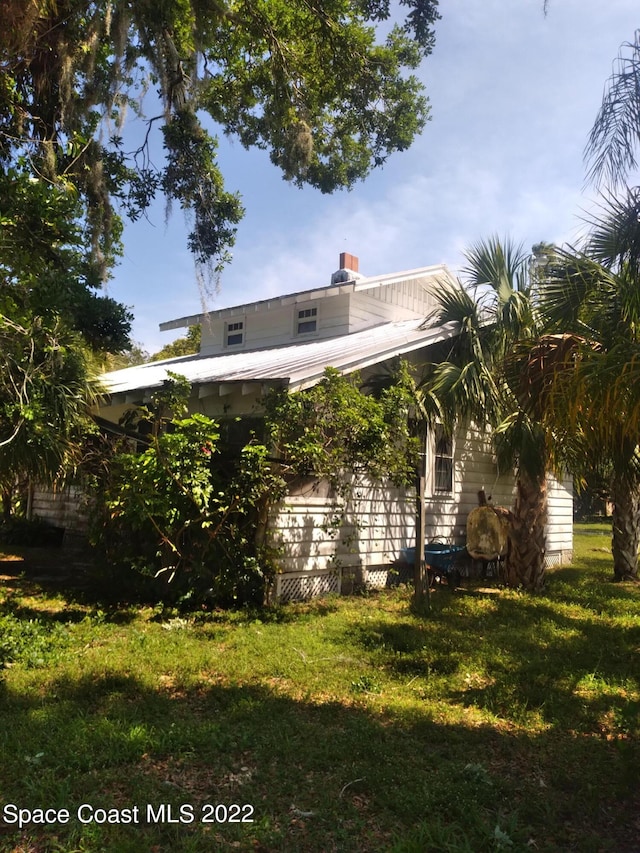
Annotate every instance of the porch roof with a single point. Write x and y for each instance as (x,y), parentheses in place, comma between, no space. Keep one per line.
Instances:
(296,366)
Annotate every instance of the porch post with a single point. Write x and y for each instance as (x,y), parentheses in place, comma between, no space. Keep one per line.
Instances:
(420,577)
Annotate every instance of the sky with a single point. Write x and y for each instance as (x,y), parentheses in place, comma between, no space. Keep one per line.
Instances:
(513,96)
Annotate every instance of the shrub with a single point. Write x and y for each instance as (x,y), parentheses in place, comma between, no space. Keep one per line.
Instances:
(180,513)
(185,511)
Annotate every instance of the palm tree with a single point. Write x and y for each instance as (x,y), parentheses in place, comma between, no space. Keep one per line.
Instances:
(592,294)
(495,310)
(46,391)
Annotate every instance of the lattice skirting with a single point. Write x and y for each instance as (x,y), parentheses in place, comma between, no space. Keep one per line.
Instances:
(376,578)
(293,587)
(389,577)
(558,558)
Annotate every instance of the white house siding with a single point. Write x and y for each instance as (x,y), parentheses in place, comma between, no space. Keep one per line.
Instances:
(474,469)
(274,326)
(67,507)
(398,301)
(365,541)
(560,524)
(379,522)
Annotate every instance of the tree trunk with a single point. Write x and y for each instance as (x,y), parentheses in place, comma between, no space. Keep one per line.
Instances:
(525,557)
(7,500)
(626,527)
(420,575)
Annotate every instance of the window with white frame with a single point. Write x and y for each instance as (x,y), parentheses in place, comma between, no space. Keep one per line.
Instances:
(234,333)
(306,320)
(442,462)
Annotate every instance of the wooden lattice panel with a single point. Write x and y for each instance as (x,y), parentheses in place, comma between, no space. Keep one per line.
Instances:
(292,587)
(377,578)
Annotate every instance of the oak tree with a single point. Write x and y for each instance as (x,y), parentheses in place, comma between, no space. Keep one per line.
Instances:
(307,80)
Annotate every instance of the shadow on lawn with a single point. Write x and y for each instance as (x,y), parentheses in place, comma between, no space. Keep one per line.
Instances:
(321,777)
(79,577)
(521,656)
(117,595)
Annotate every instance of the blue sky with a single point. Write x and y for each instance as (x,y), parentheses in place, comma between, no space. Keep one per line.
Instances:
(513,96)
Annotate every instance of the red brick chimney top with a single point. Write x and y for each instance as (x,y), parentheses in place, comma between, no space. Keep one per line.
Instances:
(348,262)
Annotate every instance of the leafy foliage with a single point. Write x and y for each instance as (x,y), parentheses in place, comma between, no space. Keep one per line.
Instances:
(306,81)
(174,511)
(187,345)
(334,427)
(45,269)
(45,393)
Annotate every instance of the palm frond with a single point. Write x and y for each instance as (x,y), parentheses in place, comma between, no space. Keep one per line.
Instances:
(595,290)
(465,392)
(576,288)
(454,304)
(517,318)
(495,263)
(610,152)
(614,238)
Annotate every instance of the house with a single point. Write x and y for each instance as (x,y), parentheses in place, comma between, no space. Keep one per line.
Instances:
(353,322)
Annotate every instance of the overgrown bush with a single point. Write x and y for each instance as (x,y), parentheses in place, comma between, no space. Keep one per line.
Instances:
(187,512)
(180,513)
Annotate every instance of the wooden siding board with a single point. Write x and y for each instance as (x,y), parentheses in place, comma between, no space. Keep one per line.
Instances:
(275,326)
(68,507)
(386,517)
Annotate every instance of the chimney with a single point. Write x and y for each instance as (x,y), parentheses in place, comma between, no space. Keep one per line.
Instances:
(348,269)
(348,262)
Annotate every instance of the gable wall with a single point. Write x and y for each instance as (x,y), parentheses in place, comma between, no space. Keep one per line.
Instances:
(273,326)
(270,324)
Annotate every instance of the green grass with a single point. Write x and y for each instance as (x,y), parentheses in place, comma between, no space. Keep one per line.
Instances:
(497,722)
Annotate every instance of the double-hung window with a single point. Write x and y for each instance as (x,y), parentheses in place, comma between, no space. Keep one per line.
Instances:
(442,462)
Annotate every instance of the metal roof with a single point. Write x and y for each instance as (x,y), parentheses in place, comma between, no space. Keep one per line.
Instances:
(298,365)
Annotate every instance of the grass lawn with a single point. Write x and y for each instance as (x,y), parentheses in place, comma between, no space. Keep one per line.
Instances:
(498,722)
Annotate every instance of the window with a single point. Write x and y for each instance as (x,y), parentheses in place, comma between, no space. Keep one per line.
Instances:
(443,462)
(307,321)
(234,333)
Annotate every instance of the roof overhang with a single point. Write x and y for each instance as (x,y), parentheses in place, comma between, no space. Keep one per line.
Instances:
(296,366)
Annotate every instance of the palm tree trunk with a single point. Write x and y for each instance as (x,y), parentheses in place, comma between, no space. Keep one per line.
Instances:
(525,558)
(626,527)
